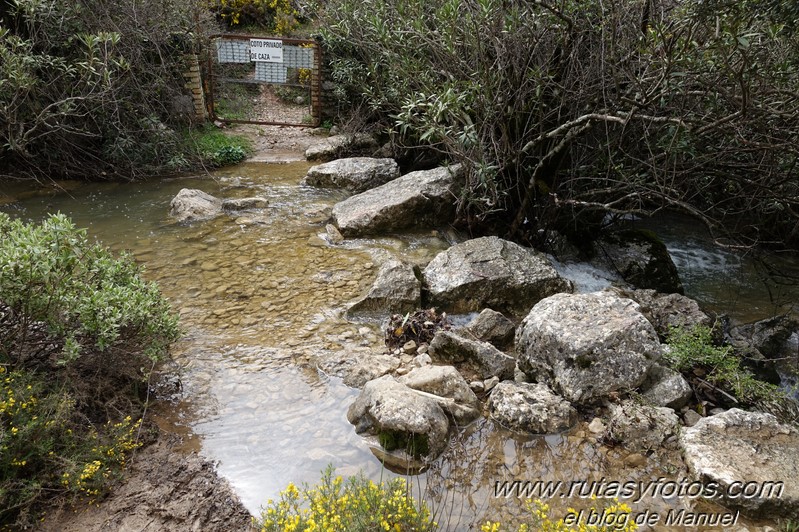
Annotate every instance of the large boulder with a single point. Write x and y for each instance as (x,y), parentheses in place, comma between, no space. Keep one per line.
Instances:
(640,427)
(400,417)
(750,458)
(586,346)
(666,311)
(338,146)
(491,272)
(480,357)
(531,408)
(191,205)
(492,327)
(640,258)
(396,290)
(458,399)
(355,174)
(417,199)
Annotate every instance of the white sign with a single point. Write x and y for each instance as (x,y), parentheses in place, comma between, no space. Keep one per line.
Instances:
(266,50)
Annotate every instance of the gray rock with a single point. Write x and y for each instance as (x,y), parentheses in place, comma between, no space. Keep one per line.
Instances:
(338,146)
(765,338)
(358,369)
(355,174)
(390,408)
(416,199)
(665,311)
(422,360)
(191,205)
(396,290)
(640,258)
(333,234)
(641,427)
(242,204)
(530,408)
(665,387)
(485,359)
(691,417)
(750,448)
(491,272)
(492,327)
(586,346)
(446,382)
(490,383)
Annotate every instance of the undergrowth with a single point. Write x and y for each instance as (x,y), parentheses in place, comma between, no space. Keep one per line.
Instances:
(693,349)
(80,333)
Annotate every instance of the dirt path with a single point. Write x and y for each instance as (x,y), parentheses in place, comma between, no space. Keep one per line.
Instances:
(164,490)
(277,144)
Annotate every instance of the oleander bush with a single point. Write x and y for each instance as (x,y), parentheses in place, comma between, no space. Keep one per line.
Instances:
(567,113)
(80,333)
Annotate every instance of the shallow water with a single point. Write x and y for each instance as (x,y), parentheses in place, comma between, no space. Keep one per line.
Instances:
(261,297)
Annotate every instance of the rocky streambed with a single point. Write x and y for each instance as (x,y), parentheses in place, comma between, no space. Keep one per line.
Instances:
(285,292)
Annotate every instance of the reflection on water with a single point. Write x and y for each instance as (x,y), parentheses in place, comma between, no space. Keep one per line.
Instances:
(261,298)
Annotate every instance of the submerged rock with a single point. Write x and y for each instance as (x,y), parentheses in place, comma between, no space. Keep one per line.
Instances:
(356,369)
(486,360)
(191,205)
(641,259)
(395,291)
(491,272)
(400,417)
(355,174)
(416,199)
(747,451)
(586,346)
(242,204)
(530,408)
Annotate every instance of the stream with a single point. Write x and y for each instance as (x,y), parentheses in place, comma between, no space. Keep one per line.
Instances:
(261,297)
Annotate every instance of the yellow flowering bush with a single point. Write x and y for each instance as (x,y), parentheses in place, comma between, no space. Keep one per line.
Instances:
(41,454)
(357,505)
(277,16)
(615,517)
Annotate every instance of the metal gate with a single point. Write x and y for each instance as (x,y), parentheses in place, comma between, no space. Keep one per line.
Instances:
(264,80)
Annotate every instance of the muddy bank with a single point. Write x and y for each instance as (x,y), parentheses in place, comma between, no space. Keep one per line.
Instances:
(165,489)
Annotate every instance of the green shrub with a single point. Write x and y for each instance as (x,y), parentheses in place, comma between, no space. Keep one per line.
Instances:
(52,276)
(694,348)
(359,505)
(217,148)
(80,331)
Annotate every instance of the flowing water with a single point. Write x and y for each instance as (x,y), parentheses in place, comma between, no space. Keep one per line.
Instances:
(261,297)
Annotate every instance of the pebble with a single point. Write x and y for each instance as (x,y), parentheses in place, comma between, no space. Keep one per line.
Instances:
(409,347)
(596,426)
